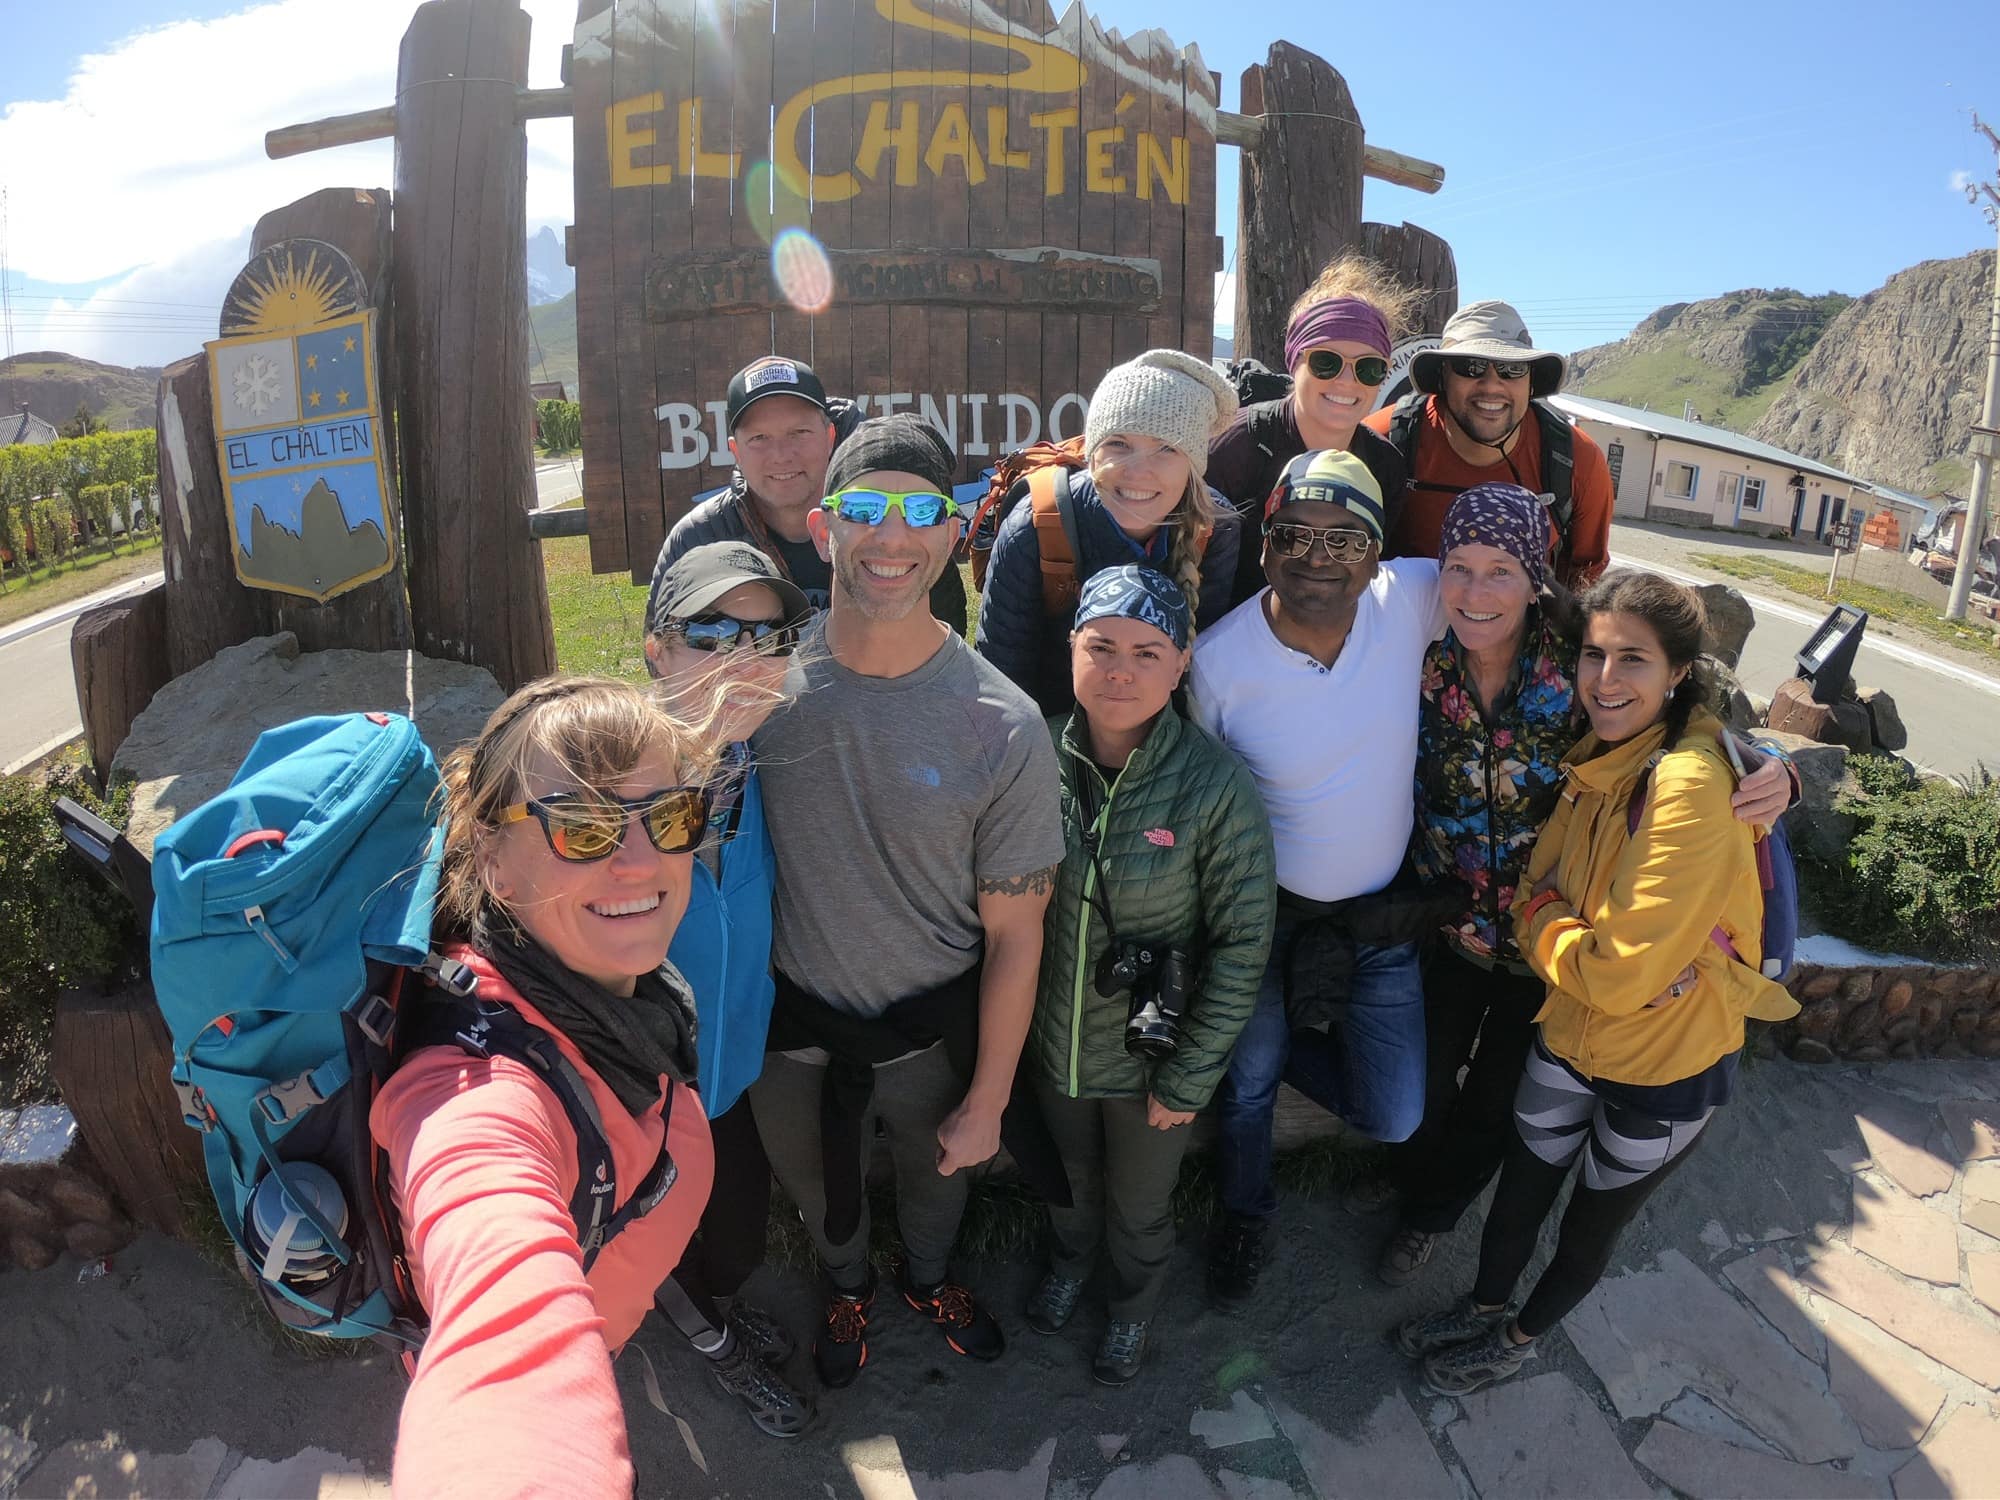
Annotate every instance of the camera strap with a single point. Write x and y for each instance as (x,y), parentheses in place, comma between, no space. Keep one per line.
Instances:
(1093,812)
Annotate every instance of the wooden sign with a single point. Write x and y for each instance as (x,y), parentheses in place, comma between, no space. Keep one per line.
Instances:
(298,425)
(966,209)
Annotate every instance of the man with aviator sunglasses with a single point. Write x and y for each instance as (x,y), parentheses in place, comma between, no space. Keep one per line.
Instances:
(1469,423)
(914,812)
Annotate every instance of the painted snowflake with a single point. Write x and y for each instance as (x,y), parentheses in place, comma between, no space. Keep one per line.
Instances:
(256,384)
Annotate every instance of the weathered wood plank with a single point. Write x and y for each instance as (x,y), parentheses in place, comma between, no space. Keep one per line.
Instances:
(118,652)
(596,244)
(207,609)
(1420,259)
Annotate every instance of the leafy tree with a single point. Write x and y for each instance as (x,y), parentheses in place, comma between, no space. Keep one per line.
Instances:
(53,535)
(83,424)
(97,501)
(562,425)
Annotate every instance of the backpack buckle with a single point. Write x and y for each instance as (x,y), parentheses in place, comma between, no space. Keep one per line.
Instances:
(282,1102)
(376,1020)
(196,1112)
(450,975)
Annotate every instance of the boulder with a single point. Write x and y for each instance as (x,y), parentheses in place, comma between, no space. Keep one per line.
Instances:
(187,744)
(1885,723)
(30,1252)
(1817,825)
(1738,712)
(1730,621)
(1760,710)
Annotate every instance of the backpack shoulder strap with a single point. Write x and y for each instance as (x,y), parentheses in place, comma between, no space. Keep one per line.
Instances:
(1558,464)
(1054,514)
(1405,419)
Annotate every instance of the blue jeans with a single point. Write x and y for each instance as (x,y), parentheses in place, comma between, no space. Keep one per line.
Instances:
(1368,1067)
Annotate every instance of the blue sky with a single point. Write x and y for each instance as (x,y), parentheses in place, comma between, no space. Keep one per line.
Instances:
(1600,159)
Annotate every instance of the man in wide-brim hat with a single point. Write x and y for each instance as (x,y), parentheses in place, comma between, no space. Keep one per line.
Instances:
(1480,414)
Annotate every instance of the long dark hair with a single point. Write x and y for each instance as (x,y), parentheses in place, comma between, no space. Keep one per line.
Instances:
(1675,615)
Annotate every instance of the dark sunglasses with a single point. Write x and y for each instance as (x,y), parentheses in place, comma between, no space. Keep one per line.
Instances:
(583,830)
(1326,364)
(727,633)
(1344,544)
(872,507)
(1475,369)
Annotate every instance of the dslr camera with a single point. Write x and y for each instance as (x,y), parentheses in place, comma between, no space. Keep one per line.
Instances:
(1159,979)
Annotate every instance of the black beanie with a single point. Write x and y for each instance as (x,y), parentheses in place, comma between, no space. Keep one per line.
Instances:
(902,443)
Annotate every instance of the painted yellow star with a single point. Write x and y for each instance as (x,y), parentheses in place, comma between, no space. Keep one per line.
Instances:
(312,398)
(340,397)
(312,361)
(348,347)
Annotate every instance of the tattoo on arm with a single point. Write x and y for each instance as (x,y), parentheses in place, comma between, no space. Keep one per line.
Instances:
(1034,883)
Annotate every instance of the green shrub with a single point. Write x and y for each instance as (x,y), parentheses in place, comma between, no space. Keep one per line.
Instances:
(1922,872)
(562,425)
(98,501)
(60,925)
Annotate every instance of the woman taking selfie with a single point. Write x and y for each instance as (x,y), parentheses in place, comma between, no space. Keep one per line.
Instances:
(1157,937)
(1641,874)
(571,825)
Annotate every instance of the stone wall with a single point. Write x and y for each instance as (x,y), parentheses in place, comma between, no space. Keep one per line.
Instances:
(1868,1013)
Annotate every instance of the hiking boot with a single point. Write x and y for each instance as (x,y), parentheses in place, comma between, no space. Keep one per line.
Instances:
(1119,1354)
(1407,1253)
(1053,1302)
(1464,1368)
(1235,1260)
(1460,1323)
(842,1346)
(968,1328)
(774,1406)
(1369,1195)
(761,1333)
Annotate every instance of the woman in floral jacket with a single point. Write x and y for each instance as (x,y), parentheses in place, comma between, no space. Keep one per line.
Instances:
(1499,714)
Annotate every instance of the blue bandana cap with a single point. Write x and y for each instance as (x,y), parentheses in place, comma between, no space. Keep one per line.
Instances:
(1136,593)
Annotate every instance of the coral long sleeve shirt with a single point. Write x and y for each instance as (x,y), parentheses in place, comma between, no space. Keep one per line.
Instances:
(513,1393)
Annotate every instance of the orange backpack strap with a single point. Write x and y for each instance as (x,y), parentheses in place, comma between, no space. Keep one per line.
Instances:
(1048,494)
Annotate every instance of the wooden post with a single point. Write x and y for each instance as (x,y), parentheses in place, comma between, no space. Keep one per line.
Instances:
(112,1056)
(119,654)
(207,608)
(477,590)
(1419,259)
(1299,191)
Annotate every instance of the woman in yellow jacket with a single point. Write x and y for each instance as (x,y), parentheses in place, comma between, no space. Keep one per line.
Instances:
(1643,915)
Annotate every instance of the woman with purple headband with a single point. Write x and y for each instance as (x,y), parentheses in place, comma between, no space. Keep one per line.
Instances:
(1337,346)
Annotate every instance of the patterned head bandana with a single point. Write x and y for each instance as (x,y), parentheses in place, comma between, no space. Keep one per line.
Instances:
(1504,516)
(1136,593)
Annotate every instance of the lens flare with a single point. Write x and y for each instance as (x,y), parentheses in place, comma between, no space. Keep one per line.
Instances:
(802,271)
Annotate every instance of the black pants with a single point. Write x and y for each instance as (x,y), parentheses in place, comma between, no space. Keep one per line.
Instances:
(1482,1021)
(729,1242)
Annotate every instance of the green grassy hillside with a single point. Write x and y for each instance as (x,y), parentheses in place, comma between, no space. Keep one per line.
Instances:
(552,349)
(52,384)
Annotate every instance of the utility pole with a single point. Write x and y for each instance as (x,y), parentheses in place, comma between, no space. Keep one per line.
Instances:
(1987,433)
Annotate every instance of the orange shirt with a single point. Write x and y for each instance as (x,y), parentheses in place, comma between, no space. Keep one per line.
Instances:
(513,1392)
(1439,474)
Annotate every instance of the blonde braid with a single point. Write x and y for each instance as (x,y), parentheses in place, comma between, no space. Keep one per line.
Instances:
(1193,522)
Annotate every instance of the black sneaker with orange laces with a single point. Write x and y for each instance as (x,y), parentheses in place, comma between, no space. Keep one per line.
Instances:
(842,1346)
(968,1328)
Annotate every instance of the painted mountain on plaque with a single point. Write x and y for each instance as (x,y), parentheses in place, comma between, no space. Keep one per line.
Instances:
(324,543)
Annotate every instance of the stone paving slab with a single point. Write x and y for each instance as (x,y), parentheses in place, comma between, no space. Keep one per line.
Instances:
(1254,1487)
(1877,1382)
(1895,1138)
(1974,1126)
(1962,1460)
(1649,1335)
(1982,1276)
(1952,1334)
(1766,1279)
(1696,1464)
(1979,1198)
(1030,1482)
(1541,1437)
(313,1472)
(1242,1421)
(17,1455)
(105,1469)
(1390,1456)
(1176,1477)
(1904,1234)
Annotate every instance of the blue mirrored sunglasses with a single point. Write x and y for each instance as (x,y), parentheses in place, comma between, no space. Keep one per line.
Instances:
(872,507)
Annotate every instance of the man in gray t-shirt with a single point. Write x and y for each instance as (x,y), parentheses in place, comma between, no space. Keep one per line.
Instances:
(912,799)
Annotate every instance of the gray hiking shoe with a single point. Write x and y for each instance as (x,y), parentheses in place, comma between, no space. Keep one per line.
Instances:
(1119,1354)
(1464,1368)
(773,1405)
(1422,1337)
(1405,1256)
(1053,1302)
(760,1332)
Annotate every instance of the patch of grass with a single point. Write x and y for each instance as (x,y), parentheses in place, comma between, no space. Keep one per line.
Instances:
(599,618)
(1661,379)
(1890,605)
(87,571)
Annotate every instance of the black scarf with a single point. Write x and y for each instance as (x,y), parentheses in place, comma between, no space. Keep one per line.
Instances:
(627,1043)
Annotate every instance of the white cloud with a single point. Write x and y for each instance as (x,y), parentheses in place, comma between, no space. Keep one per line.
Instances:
(1960,181)
(155,154)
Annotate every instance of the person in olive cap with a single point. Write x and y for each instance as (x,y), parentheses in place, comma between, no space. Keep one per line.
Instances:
(912,799)
(782,430)
(718,643)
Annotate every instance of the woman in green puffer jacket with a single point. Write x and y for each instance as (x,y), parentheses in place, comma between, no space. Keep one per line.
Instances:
(1169,868)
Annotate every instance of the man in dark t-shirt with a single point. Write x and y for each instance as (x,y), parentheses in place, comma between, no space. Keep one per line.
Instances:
(782,431)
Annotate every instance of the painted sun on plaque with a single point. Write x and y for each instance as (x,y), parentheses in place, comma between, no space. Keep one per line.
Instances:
(298,425)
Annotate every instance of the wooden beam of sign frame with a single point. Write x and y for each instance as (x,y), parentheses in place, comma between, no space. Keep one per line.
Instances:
(1242,131)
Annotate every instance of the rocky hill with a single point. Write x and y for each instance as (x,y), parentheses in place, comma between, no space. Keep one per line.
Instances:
(1892,387)
(1730,356)
(552,346)
(52,385)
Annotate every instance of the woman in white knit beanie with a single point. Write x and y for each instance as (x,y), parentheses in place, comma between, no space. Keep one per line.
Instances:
(1143,499)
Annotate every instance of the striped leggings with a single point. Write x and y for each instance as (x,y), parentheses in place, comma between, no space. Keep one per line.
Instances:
(1626,1156)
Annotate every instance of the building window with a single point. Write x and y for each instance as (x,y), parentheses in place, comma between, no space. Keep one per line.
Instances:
(1615,457)
(1753,494)
(1681,479)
